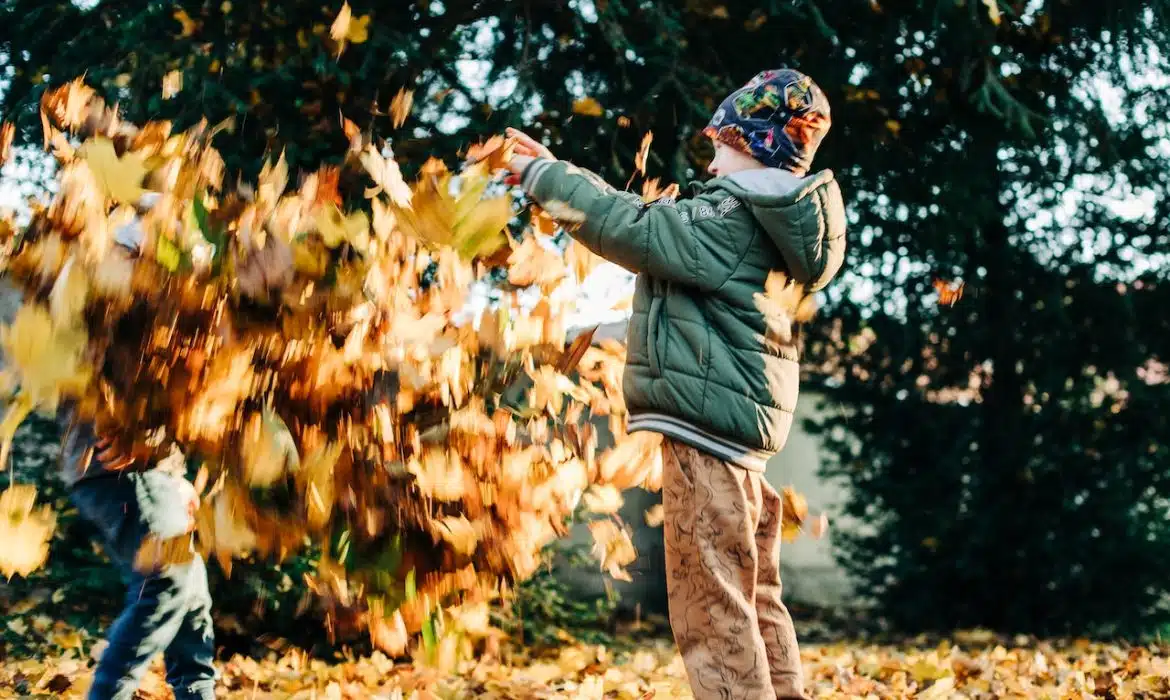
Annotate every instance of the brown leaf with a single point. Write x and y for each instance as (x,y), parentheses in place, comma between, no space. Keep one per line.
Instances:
(572,355)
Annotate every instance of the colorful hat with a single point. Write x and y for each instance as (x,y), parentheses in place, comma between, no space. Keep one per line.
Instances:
(779,118)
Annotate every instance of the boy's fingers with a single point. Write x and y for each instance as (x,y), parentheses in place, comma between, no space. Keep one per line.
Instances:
(523,139)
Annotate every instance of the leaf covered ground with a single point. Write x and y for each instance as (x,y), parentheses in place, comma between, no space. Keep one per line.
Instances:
(43,657)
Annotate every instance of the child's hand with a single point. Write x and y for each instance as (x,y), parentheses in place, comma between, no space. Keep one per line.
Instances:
(516,168)
(528,146)
(525,150)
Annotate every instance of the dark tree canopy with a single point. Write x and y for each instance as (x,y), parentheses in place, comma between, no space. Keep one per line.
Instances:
(1008,453)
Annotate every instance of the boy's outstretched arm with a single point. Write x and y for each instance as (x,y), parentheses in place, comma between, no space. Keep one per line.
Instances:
(678,241)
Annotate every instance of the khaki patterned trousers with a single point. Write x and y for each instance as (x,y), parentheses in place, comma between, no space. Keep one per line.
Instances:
(722,532)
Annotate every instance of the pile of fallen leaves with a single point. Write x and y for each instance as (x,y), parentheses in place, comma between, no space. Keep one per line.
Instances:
(319,360)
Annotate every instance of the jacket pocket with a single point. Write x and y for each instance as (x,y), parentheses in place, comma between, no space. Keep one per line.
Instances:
(653,317)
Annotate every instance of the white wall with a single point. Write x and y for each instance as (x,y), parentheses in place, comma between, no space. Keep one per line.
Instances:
(810,574)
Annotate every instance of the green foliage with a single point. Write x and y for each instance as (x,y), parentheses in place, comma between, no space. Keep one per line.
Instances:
(545,612)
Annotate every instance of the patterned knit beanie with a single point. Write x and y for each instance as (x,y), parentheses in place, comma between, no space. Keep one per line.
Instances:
(779,118)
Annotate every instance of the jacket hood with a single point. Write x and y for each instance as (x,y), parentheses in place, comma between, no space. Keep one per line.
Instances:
(804,217)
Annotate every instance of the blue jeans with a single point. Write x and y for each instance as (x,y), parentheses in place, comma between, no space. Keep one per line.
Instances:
(167,612)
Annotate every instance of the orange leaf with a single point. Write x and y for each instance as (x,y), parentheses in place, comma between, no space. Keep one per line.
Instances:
(949,293)
(7,132)
(588,107)
(643,153)
(400,106)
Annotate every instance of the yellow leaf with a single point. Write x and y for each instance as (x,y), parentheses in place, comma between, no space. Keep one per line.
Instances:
(993,11)
(532,263)
(387,177)
(655,515)
(310,258)
(549,388)
(439,475)
(273,179)
(603,499)
(359,30)
(336,228)
(68,296)
(459,533)
(400,106)
(119,178)
(267,449)
(794,514)
(25,531)
(340,27)
(613,548)
(588,107)
(172,84)
(47,358)
(316,479)
(184,19)
(633,461)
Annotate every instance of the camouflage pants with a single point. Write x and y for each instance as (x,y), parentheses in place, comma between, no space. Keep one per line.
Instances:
(722,532)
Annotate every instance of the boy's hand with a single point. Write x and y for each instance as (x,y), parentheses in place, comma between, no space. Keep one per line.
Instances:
(525,145)
(516,168)
(525,150)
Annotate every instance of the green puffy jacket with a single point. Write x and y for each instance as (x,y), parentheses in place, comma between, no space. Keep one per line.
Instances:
(700,368)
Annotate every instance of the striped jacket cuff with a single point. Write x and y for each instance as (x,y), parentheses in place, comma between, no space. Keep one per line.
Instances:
(732,452)
(533,172)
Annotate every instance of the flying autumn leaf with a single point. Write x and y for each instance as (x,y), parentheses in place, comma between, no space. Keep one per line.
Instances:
(494,154)
(340,27)
(613,548)
(25,530)
(459,533)
(7,133)
(352,133)
(993,11)
(400,106)
(643,153)
(184,19)
(121,179)
(603,499)
(949,293)
(268,451)
(784,304)
(652,191)
(588,107)
(172,84)
(347,29)
(387,177)
(337,228)
(794,513)
(573,354)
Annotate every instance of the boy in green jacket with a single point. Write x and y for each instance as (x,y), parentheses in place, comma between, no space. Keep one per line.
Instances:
(709,371)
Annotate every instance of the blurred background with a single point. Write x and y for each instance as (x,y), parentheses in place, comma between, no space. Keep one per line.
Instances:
(984,406)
